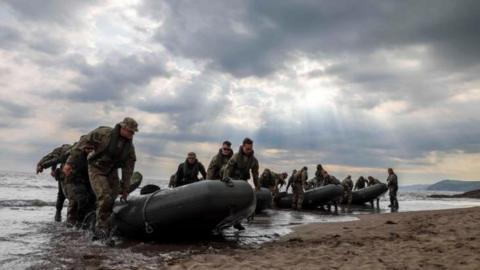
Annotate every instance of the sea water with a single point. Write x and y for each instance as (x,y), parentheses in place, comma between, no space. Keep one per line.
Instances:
(29,238)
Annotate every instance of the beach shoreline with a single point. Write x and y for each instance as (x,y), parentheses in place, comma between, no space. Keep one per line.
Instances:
(433,239)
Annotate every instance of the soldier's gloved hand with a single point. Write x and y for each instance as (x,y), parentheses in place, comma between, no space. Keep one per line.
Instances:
(67,169)
(52,173)
(124,196)
(39,169)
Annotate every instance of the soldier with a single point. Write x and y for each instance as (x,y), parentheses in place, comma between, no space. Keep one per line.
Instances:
(290,180)
(187,171)
(373,181)
(112,149)
(361,183)
(240,165)
(219,161)
(171,183)
(299,182)
(331,180)
(319,176)
(52,159)
(392,183)
(82,199)
(347,184)
(272,181)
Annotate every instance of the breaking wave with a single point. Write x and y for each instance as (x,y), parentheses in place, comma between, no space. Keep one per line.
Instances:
(25,203)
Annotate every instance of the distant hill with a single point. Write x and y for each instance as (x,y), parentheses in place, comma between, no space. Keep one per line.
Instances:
(455,185)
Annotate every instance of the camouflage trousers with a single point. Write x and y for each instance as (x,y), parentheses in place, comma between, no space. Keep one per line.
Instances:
(347,196)
(298,194)
(81,199)
(106,188)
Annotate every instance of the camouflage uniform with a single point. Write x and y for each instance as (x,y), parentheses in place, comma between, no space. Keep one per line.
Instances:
(240,165)
(392,183)
(271,180)
(361,183)
(319,176)
(299,182)
(290,180)
(82,199)
(173,180)
(347,184)
(188,173)
(217,165)
(332,180)
(111,151)
(52,159)
(373,181)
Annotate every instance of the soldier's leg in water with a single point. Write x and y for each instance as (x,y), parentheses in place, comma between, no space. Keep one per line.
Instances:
(83,201)
(101,187)
(301,194)
(395,200)
(60,201)
(72,204)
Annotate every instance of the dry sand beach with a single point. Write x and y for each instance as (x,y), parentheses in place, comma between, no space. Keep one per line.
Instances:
(443,239)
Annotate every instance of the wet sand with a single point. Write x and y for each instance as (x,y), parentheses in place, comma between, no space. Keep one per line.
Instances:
(441,239)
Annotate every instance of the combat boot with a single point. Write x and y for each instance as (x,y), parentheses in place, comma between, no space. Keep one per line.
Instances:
(58,215)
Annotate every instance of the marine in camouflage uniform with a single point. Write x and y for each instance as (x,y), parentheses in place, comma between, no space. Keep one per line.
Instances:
(373,181)
(331,180)
(83,198)
(188,171)
(347,184)
(241,163)
(219,161)
(361,183)
(319,176)
(273,181)
(290,180)
(299,182)
(239,167)
(53,159)
(173,180)
(392,184)
(113,149)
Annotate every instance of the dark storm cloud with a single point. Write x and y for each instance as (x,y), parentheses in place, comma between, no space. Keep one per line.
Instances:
(201,100)
(271,30)
(115,79)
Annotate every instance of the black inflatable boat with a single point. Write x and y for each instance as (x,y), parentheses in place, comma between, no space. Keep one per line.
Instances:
(313,197)
(368,194)
(264,199)
(198,207)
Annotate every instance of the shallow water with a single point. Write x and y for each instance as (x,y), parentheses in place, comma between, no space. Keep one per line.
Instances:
(30,238)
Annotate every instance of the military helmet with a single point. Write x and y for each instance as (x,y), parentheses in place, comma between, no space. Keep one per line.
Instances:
(129,123)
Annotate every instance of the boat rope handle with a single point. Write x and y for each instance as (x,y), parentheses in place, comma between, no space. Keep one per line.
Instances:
(148,228)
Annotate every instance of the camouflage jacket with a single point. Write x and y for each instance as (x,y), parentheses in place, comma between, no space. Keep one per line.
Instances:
(392,182)
(217,165)
(347,183)
(373,182)
(57,156)
(361,183)
(77,159)
(240,165)
(301,177)
(111,151)
(188,173)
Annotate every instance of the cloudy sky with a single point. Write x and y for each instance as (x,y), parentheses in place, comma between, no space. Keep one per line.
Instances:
(358,86)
